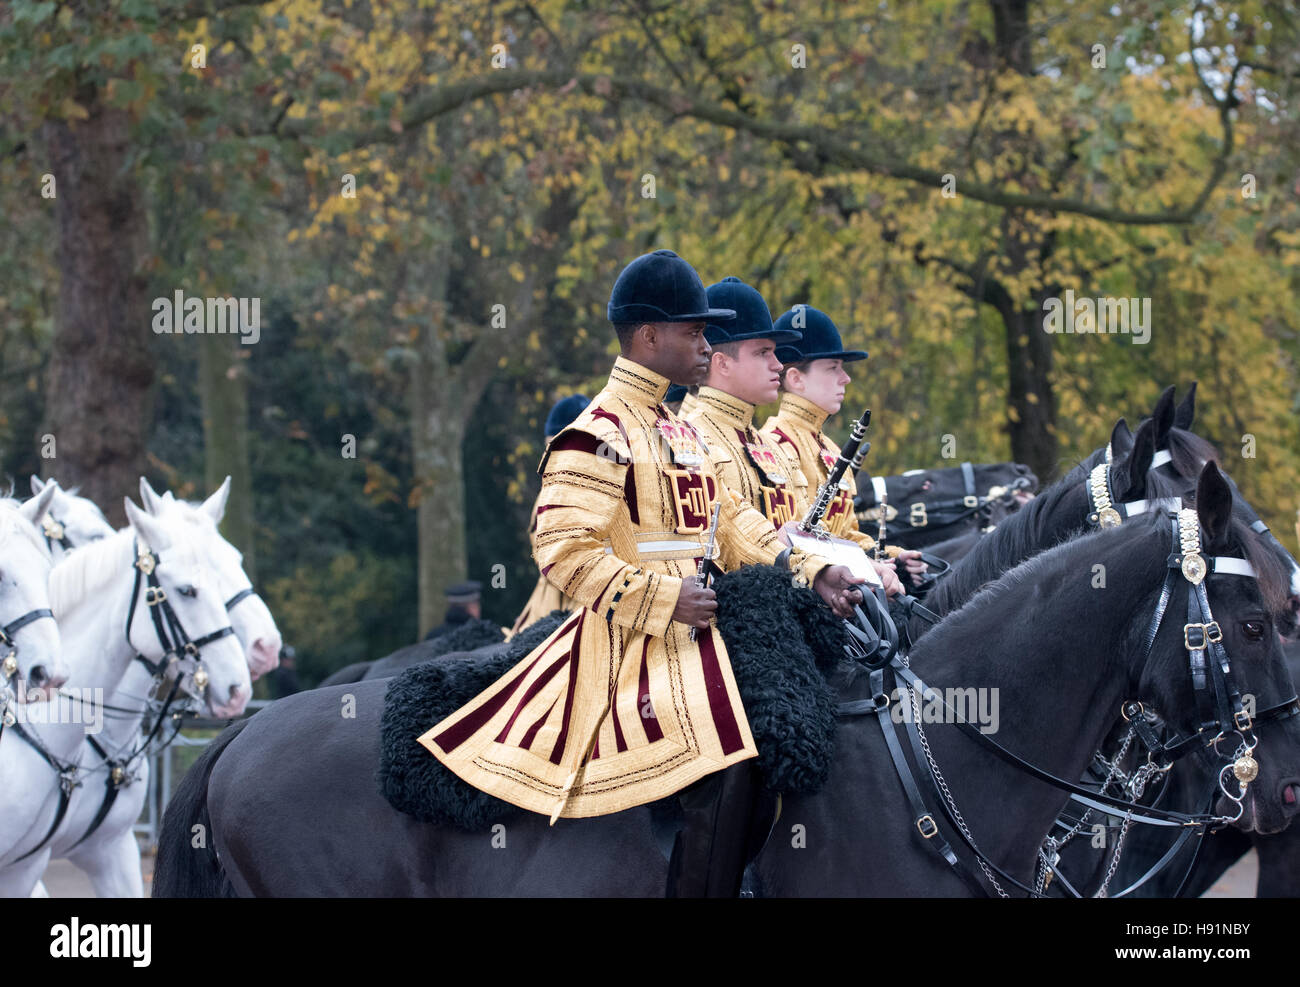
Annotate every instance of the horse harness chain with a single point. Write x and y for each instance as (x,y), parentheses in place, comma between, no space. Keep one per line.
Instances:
(178,649)
(1219,707)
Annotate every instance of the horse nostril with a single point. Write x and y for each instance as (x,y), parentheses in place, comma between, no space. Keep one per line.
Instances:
(1289,795)
(38,675)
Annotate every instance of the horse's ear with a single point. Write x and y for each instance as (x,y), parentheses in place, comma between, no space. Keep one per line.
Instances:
(146,526)
(37,483)
(149,497)
(1214,506)
(1121,441)
(1163,416)
(1185,414)
(33,510)
(1132,474)
(215,506)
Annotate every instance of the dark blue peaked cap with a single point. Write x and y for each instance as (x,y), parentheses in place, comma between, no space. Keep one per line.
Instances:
(661,287)
(752,321)
(821,340)
(563,413)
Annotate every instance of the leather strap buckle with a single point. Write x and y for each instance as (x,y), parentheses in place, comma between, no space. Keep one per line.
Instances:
(918,518)
(1242,719)
(927,827)
(154,595)
(1196,636)
(970,501)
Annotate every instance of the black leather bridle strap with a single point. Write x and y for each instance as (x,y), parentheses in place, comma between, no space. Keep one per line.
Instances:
(65,787)
(1105,803)
(921,817)
(1178,845)
(111,787)
(243,594)
(14,626)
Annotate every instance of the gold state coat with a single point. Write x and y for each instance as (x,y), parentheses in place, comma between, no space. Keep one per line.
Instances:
(618,707)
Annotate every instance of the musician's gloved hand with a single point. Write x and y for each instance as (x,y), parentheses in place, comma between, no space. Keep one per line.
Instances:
(696,605)
(888,578)
(839,588)
(911,562)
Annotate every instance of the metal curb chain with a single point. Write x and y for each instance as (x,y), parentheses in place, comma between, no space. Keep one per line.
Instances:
(947,795)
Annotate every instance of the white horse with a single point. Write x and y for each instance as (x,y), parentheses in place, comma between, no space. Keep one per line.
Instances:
(110,854)
(71,520)
(101,594)
(31,663)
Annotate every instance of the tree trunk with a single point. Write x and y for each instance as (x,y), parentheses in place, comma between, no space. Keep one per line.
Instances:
(223,388)
(98,405)
(1031,404)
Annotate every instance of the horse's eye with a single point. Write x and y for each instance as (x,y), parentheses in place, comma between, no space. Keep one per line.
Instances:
(1253,629)
(187,590)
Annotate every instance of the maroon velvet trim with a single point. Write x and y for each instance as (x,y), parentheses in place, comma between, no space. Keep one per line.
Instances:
(557,754)
(527,740)
(651,723)
(533,690)
(719,705)
(464,728)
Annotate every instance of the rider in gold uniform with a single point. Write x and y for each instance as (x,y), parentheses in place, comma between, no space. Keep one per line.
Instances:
(744,372)
(620,706)
(812,389)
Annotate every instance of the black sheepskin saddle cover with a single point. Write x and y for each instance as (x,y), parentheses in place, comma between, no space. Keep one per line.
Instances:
(781,639)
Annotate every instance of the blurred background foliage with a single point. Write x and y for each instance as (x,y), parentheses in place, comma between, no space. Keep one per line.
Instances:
(502,157)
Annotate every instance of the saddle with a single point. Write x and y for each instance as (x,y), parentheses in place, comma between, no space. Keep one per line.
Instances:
(782,641)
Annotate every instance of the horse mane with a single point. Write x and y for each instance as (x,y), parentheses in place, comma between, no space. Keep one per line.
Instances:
(89,568)
(1273,581)
(11,521)
(1274,573)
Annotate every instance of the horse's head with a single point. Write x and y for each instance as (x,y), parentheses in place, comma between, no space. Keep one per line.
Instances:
(1234,690)
(188,603)
(249,615)
(31,662)
(71,520)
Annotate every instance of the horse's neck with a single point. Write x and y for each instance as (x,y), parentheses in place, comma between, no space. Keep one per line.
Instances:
(1058,690)
(94,638)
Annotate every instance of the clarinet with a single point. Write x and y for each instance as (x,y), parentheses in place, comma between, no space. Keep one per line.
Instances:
(850,456)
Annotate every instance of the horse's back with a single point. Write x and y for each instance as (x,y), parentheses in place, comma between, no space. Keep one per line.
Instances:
(296,811)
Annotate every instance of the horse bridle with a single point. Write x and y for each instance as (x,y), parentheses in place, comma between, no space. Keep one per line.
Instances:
(9,664)
(1103,512)
(940,514)
(1221,712)
(179,650)
(178,647)
(55,532)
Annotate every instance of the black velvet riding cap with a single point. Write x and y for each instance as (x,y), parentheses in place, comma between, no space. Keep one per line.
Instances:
(752,321)
(821,340)
(661,287)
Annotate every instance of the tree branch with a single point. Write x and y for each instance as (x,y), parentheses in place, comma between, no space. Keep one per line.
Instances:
(836,150)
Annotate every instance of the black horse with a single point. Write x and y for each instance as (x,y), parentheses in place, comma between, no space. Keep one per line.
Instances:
(469,636)
(925,507)
(288,805)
